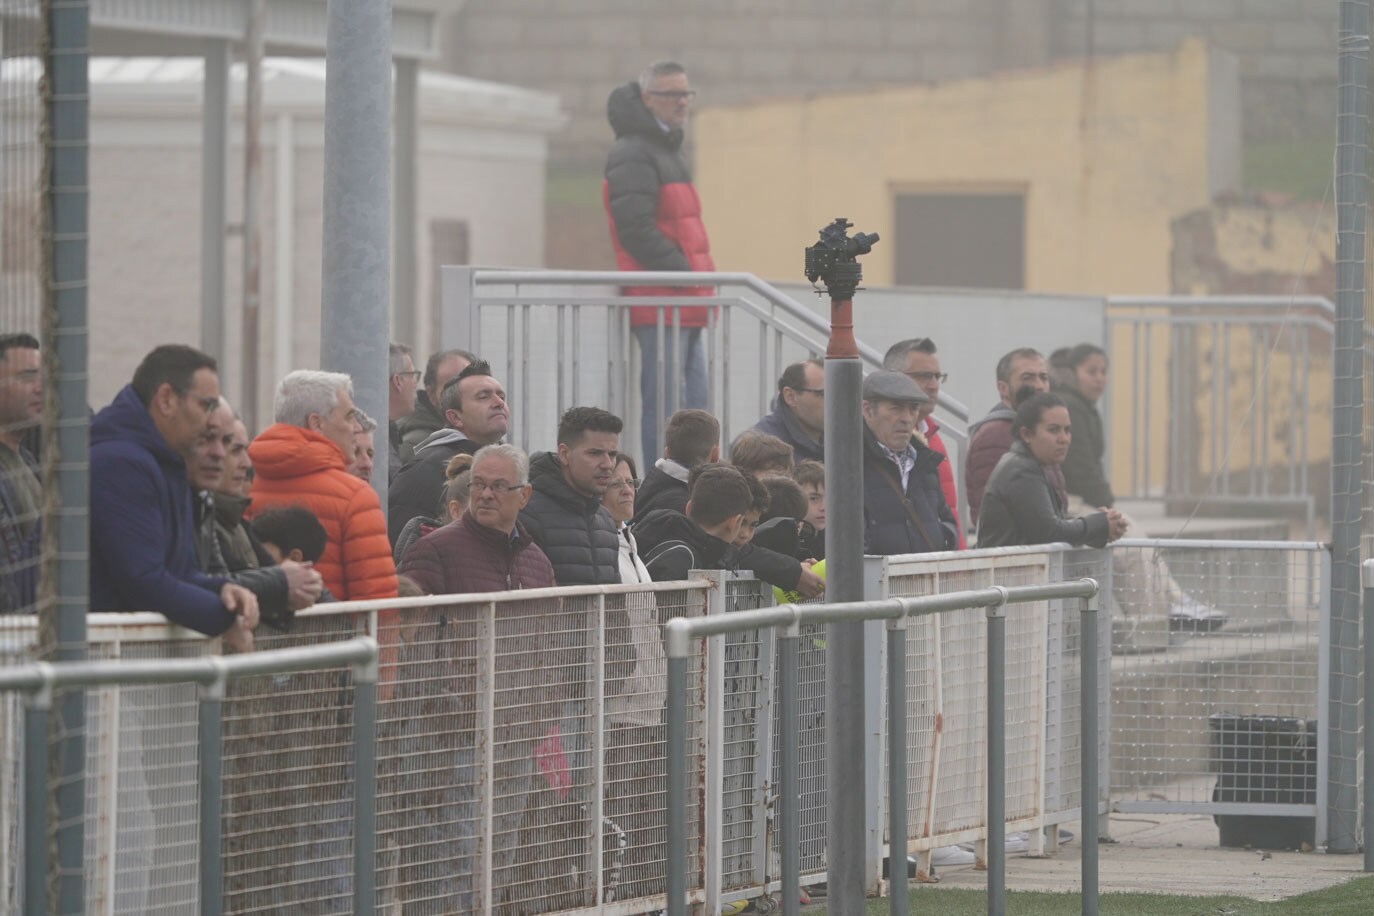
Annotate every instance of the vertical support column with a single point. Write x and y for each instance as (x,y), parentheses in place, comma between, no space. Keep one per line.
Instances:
(365,787)
(1347,424)
(845,740)
(789,794)
(405,270)
(37,708)
(676,797)
(214,179)
(254,46)
(1368,716)
(1088,717)
(997,759)
(64,577)
(355,326)
(896,768)
(211,775)
(284,243)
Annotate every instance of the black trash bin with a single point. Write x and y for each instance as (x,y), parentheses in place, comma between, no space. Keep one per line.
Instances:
(1265,760)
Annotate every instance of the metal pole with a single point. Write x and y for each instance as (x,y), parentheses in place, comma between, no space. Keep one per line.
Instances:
(1087,653)
(355,327)
(1347,421)
(365,787)
(211,776)
(789,794)
(214,171)
(66,539)
(404,306)
(676,799)
(36,712)
(254,48)
(845,741)
(997,761)
(898,892)
(1368,715)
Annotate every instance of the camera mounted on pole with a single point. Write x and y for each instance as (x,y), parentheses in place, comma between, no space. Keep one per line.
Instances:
(833,259)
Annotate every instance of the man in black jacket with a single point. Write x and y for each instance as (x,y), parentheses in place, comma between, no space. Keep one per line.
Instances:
(904,510)
(701,538)
(565,516)
(692,438)
(426,419)
(475,409)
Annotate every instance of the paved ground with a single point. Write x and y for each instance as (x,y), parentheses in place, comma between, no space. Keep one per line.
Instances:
(1175,854)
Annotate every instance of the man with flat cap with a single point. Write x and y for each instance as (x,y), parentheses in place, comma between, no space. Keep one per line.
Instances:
(904,510)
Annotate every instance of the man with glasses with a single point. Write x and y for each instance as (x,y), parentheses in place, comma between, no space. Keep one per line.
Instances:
(402,383)
(142,554)
(21,493)
(655,220)
(1020,374)
(917,360)
(798,416)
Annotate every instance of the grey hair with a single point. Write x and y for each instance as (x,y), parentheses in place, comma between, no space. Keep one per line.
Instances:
(514,454)
(308,391)
(367,423)
(895,358)
(656,69)
(397,359)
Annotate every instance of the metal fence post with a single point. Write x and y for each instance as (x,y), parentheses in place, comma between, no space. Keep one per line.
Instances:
(896,767)
(997,750)
(37,708)
(211,753)
(1088,744)
(365,787)
(676,796)
(1368,582)
(789,794)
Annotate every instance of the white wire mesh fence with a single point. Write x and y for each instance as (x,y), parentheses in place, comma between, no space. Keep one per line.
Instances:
(520,741)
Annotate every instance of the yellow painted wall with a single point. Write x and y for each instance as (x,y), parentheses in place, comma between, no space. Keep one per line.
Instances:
(1107,156)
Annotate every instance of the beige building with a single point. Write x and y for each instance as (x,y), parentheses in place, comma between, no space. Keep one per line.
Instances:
(1062,179)
(482,150)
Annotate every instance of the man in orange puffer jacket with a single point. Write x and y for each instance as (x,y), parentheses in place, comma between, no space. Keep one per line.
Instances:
(300,461)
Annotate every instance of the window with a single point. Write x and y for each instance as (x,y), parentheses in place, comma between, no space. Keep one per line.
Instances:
(961,239)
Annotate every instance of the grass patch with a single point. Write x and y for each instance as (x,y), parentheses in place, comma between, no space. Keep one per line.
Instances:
(1355,898)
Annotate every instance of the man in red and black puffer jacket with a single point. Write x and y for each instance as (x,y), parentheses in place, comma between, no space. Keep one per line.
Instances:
(655,219)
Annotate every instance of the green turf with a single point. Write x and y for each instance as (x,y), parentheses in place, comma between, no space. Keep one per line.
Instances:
(1350,899)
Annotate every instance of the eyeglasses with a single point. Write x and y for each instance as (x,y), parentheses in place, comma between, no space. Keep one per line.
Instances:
(498,487)
(625,483)
(924,377)
(677,95)
(819,391)
(413,375)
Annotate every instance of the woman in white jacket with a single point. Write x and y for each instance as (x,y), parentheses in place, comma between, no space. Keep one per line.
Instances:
(635,740)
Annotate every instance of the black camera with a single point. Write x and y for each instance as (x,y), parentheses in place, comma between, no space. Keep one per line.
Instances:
(833,258)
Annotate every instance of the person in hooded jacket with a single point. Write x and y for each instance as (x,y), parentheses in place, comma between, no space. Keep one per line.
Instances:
(702,538)
(142,536)
(692,438)
(655,222)
(301,460)
(425,419)
(477,414)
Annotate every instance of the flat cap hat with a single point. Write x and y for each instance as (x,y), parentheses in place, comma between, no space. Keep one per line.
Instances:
(885,385)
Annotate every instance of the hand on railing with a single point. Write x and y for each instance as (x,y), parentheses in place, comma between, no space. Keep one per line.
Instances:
(303,584)
(1116,524)
(243,604)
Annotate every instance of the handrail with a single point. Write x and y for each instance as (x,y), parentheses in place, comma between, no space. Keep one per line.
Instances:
(772,294)
(680,632)
(1320,303)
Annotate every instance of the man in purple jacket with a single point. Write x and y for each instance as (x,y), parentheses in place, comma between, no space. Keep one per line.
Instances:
(1020,373)
(142,552)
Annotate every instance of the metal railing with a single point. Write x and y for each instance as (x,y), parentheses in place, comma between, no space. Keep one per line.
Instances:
(39,680)
(680,634)
(754,331)
(1242,380)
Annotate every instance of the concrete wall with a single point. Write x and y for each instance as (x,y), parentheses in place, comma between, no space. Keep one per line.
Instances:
(745,50)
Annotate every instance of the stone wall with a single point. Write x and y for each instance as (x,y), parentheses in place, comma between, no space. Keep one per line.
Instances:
(739,50)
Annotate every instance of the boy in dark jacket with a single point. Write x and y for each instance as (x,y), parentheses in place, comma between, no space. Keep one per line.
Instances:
(692,438)
(702,538)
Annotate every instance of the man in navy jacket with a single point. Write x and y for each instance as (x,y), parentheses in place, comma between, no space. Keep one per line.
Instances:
(142,550)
